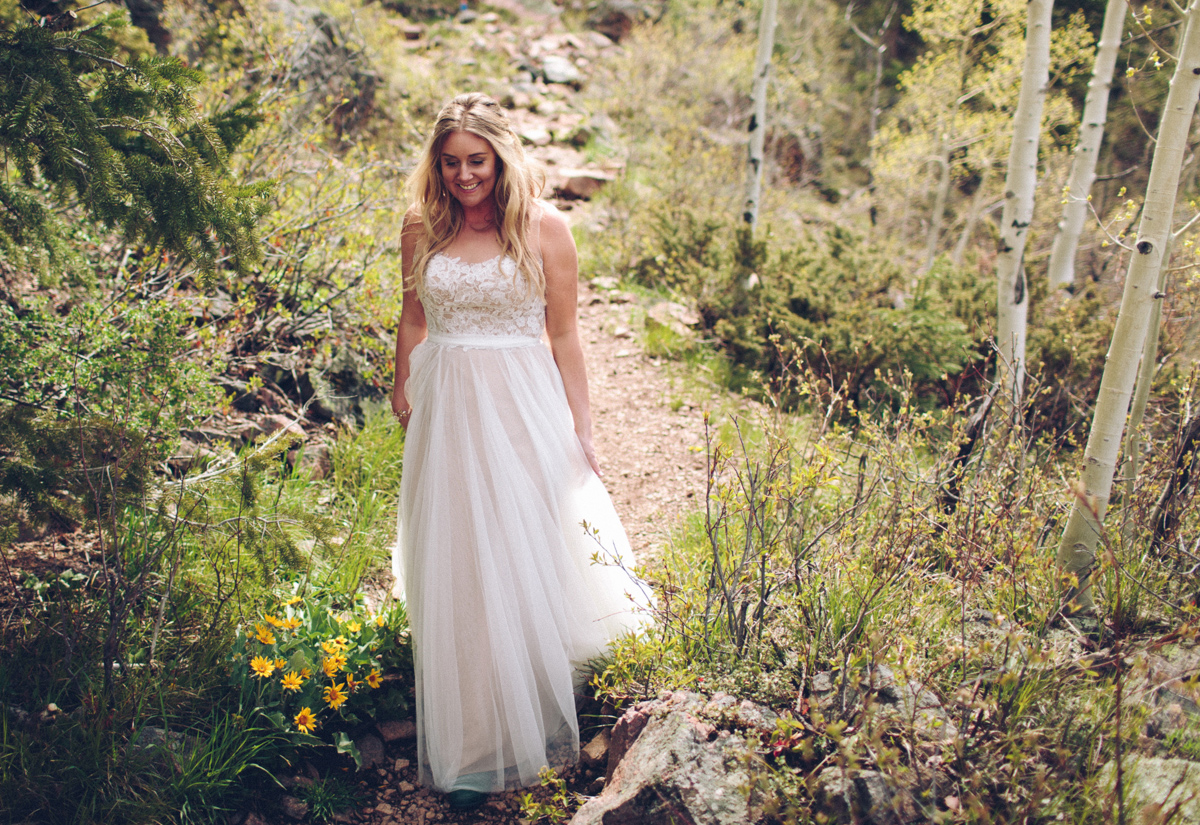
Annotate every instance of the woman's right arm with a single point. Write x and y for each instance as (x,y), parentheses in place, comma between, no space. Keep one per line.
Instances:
(412,329)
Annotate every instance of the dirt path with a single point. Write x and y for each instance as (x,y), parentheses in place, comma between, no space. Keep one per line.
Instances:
(649,434)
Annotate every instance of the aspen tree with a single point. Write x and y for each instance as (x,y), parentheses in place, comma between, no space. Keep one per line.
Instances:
(1091,134)
(953,119)
(757,128)
(1077,551)
(1019,186)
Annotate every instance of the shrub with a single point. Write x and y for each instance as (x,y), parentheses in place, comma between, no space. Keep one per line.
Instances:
(833,302)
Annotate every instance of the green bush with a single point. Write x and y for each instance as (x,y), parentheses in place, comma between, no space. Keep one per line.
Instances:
(835,303)
(92,400)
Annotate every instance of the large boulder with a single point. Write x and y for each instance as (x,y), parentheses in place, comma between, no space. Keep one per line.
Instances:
(616,18)
(675,761)
(1156,790)
(851,797)
(909,704)
(1165,684)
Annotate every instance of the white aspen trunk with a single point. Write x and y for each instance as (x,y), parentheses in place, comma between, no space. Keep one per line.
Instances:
(758,97)
(878,49)
(1012,305)
(939,208)
(1077,551)
(1130,466)
(1091,134)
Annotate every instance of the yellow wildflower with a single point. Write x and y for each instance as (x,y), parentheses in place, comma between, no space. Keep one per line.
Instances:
(292,681)
(353,627)
(263,635)
(334,696)
(305,720)
(350,683)
(290,623)
(380,621)
(330,665)
(262,666)
(330,647)
(293,600)
(272,620)
(342,642)
(373,679)
(281,664)
(305,673)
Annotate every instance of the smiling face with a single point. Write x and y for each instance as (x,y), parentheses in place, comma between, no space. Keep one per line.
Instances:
(468,165)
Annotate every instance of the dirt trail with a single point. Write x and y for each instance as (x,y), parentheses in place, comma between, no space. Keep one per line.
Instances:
(649,436)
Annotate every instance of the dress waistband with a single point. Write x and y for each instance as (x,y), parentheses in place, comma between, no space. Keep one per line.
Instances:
(482,341)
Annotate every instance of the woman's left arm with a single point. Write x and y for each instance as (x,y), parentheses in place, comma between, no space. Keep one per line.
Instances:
(561,266)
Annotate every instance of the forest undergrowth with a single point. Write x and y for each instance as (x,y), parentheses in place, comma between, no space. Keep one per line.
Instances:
(219,614)
(834,543)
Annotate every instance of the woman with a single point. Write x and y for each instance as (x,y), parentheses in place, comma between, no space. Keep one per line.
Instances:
(500,503)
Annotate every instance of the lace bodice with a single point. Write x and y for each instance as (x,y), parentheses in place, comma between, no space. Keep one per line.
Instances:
(487,298)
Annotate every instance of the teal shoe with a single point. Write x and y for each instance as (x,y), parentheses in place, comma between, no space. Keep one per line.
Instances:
(464,800)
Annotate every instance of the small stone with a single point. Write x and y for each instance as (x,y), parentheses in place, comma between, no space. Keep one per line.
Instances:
(595,751)
(597,40)
(385,809)
(558,69)
(294,808)
(396,729)
(370,749)
(536,135)
(406,787)
(400,764)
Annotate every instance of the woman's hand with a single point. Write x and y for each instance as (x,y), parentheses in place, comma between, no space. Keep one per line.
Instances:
(400,407)
(590,452)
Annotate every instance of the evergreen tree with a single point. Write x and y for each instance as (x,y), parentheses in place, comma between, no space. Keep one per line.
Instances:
(122,141)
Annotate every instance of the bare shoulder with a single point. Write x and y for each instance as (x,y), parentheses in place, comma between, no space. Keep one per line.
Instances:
(556,236)
(412,220)
(411,230)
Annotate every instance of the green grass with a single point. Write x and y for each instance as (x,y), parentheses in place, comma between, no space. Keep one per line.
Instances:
(328,796)
(192,566)
(825,548)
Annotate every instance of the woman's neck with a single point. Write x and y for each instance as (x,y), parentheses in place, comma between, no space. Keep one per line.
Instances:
(481,219)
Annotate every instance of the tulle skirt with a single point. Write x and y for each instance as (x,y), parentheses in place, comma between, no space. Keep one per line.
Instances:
(504,594)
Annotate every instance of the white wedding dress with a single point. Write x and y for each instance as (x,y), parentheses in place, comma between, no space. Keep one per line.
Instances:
(496,568)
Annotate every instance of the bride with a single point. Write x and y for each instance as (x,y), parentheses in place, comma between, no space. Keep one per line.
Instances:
(501,506)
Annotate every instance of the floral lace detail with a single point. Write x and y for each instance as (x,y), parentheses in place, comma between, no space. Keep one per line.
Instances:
(479,299)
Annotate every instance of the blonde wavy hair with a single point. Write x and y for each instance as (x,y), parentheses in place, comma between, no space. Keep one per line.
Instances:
(518,186)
